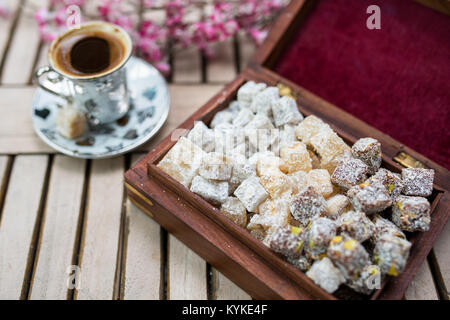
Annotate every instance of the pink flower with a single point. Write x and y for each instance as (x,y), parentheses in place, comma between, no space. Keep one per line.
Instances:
(42,16)
(4,10)
(258,35)
(163,67)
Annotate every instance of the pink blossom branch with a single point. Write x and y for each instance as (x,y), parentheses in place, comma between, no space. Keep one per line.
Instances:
(217,21)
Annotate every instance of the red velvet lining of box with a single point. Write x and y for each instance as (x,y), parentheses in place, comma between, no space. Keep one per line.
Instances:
(397,79)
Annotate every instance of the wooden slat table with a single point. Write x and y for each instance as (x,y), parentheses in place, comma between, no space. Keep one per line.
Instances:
(60,216)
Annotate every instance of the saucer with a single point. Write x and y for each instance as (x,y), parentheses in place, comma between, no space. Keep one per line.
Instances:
(149,109)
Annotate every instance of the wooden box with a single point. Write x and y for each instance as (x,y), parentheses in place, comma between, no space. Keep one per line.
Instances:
(230,248)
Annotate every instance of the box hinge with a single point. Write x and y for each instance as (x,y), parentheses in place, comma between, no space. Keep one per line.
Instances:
(408,161)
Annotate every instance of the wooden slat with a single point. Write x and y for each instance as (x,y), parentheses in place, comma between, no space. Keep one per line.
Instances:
(17,134)
(4,160)
(143,254)
(221,68)
(24,47)
(6,24)
(187,273)
(18,220)
(58,235)
(442,252)
(187,65)
(422,287)
(224,289)
(101,230)
(246,50)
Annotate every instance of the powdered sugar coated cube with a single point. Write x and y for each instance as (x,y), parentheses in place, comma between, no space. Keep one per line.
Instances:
(215,192)
(251,193)
(182,161)
(285,111)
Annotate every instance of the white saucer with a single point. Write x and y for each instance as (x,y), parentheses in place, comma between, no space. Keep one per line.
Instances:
(148,112)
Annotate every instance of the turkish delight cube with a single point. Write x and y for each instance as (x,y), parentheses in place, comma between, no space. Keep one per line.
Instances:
(326,275)
(260,121)
(202,136)
(391,254)
(310,127)
(215,192)
(298,181)
(247,92)
(307,204)
(418,182)
(262,102)
(266,165)
(348,255)
(369,197)
(391,181)
(223,116)
(411,213)
(276,184)
(288,241)
(357,225)
(320,180)
(285,138)
(331,149)
(215,166)
(336,205)
(368,150)
(251,193)
(296,158)
(272,213)
(321,231)
(235,211)
(234,108)
(243,118)
(240,172)
(368,281)
(349,172)
(285,111)
(182,161)
(70,122)
(384,226)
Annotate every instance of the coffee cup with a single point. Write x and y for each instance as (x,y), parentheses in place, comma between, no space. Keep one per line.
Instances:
(87,68)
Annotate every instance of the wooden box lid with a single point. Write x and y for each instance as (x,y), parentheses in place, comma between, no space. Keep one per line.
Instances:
(395,78)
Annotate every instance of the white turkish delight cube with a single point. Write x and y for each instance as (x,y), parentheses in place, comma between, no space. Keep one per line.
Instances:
(285,111)
(251,193)
(247,92)
(182,161)
(262,102)
(215,192)
(215,166)
(243,118)
(235,211)
(326,275)
(223,116)
(202,136)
